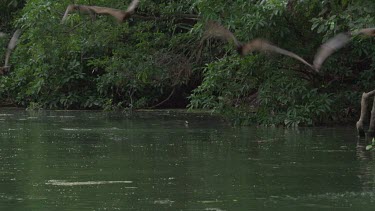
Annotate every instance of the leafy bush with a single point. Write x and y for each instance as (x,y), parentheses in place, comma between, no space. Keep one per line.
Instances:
(88,64)
(288,93)
(157,56)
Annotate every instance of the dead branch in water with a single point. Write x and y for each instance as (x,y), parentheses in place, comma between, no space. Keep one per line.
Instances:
(364,111)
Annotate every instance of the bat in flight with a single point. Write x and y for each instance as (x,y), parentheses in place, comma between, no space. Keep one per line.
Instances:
(12,44)
(213,29)
(119,15)
(336,43)
(325,50)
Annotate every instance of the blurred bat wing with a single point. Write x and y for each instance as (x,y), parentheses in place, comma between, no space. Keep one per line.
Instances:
(68,10)
(263,45)
(132,6)
(367,31)
(13,40)
(119,15)
(73,7)
(214,29)
(116,13)
(329,48)
(12,44)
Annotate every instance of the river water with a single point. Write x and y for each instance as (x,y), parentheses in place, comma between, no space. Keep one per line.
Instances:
(78,160)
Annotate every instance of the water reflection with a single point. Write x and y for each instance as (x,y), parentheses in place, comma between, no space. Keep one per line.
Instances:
(366,167)
(93,161)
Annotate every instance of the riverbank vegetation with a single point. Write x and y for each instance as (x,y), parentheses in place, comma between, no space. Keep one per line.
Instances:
(156,59)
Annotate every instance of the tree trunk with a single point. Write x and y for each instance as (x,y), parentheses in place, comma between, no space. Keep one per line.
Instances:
(371,129)
(363,117)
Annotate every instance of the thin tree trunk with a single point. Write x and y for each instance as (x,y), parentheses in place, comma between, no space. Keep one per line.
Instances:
(364,110)
(371,130)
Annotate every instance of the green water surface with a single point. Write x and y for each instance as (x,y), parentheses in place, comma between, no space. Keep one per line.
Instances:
(78,160)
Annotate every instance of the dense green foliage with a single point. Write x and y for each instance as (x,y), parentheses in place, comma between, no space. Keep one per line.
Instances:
(157,58)
(281,90)
(100,63)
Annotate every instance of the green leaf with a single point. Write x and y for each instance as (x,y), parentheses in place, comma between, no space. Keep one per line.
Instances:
(368,147)
(321,28)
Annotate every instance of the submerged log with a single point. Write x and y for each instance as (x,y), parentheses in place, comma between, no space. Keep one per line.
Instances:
(364,110)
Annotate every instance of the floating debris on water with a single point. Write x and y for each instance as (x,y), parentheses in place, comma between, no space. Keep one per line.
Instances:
(213,209)
(32,117)
(164,201)
(76,129)
(67,183)
(6,114)
(208,201)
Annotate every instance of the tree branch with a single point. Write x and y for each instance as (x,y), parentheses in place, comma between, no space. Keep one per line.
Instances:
(363,117)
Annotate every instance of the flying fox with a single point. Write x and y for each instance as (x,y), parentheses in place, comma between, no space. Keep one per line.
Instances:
(119,15)
(213,29)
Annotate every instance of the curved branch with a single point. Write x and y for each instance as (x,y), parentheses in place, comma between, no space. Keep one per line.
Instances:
(165,100)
